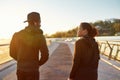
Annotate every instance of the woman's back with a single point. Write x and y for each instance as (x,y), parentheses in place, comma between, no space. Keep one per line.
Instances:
(89,55)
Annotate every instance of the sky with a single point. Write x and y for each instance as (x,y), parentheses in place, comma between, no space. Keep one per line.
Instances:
(56,15)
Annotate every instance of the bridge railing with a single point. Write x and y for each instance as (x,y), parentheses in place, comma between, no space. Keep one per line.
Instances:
(110,49)
(4,51)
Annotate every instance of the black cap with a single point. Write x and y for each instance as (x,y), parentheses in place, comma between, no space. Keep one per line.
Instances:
(33,16)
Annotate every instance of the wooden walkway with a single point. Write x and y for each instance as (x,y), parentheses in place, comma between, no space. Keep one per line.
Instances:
(59,65)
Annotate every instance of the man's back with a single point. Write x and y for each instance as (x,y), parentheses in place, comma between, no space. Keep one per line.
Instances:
(28,43)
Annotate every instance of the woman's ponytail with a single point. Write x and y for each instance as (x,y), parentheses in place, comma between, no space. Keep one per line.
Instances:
(94,32)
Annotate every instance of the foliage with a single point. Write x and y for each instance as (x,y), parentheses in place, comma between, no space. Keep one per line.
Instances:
(105,28)
(117,27)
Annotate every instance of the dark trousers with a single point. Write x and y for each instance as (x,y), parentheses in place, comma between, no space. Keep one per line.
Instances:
(33,75)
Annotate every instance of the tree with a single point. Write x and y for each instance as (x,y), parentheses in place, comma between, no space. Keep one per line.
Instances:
(107,28)
(117,27)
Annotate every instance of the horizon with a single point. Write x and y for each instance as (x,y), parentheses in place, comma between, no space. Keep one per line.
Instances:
(56,16)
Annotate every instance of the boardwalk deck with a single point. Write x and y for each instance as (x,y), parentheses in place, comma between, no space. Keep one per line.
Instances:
(59,65)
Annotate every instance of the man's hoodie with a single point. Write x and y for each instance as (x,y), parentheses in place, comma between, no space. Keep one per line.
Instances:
(25,46)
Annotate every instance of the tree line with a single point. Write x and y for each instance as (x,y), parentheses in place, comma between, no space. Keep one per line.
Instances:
(108,27)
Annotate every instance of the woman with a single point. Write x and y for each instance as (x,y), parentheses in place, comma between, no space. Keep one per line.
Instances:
(86,54)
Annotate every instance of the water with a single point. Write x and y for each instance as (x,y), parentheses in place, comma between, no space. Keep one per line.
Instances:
(108,38)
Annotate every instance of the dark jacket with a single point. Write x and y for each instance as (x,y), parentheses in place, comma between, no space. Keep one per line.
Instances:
(86,58)
(25,47)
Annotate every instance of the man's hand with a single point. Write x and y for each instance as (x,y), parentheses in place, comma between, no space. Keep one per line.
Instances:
(69,79)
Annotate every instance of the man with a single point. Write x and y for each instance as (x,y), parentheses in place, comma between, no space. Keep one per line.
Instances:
(25,46)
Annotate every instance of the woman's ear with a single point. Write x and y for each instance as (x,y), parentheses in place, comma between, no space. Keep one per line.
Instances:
(85,32)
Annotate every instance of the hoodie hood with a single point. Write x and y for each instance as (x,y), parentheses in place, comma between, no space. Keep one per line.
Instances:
(89,41)
(33,29)
(31,35)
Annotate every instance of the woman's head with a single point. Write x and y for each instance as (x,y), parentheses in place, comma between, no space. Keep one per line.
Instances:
(86,29)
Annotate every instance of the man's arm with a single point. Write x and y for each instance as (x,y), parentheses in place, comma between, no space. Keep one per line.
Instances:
(13,46)
(44,52)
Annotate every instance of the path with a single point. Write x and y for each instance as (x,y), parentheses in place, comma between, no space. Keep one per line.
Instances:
(59,65)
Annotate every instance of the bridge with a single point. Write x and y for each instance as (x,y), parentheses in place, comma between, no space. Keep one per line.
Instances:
(60,62)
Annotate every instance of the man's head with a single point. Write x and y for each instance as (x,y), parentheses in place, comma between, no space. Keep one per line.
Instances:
(33,18)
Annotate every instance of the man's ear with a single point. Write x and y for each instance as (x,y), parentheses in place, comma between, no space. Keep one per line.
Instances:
(35,23)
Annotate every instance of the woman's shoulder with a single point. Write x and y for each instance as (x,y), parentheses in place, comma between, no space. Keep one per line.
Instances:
(81,40)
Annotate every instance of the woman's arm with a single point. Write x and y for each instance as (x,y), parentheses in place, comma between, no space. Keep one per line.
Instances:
(76,61)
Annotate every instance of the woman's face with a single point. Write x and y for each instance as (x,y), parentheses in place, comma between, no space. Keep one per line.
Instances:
(81,32)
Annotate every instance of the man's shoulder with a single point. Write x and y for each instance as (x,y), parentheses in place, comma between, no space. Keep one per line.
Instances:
(17,33)
(26,34)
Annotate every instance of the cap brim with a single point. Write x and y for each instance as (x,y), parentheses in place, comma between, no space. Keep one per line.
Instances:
(25,21)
